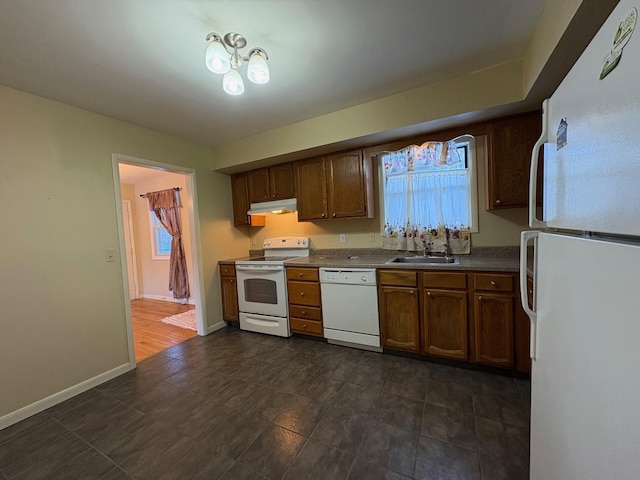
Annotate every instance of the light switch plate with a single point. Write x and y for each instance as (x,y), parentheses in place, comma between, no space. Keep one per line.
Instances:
(343,238)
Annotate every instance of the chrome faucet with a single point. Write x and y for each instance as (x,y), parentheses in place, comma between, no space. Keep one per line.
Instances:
(427,249)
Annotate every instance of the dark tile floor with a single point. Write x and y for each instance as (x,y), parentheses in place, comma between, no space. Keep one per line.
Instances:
(238,405)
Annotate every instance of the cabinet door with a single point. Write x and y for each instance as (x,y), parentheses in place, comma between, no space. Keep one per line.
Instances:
(346,184)
(229,299)
(445,323)
(494,329)
(281,181)
(258,181)
(399,318)
(239,197)
(240,200)
(510,143)
(311,189)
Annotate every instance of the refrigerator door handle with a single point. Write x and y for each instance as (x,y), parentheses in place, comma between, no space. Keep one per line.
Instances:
(531,312)
(534,222)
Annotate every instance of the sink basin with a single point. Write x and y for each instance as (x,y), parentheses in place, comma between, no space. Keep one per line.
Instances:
(428,259)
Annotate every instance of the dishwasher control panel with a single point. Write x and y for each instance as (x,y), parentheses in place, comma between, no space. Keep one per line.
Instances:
(348,276)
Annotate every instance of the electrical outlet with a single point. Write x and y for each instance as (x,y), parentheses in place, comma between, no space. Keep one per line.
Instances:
(343,238)
(372,237)
(110,255)
(253,242)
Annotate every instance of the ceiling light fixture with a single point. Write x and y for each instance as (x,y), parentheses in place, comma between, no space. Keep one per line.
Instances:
(222,57)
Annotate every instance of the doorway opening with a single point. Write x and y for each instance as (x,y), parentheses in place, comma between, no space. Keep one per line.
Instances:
(155,320)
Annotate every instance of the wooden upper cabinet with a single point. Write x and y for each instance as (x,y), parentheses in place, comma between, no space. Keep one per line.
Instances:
(510,143)
(311,189)
(347,179)
(240,199)
(273,183)
(335,186)
(281,185)
(258,182)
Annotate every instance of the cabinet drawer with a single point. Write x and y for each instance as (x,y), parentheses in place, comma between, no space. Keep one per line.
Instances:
(309,313)
(444,280)
(304,293)
(399,278)
(227,270)
(494,282)
(306,274)
(310,327)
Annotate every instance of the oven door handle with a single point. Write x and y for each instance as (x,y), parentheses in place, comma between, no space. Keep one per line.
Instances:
(249,268)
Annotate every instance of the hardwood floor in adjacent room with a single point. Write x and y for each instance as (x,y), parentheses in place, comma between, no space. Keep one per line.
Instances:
(150,335)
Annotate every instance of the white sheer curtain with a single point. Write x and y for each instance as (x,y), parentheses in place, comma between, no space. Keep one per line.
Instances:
(427,198)
(431,199)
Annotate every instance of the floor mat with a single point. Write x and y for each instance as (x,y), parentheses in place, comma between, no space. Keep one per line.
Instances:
(183,320)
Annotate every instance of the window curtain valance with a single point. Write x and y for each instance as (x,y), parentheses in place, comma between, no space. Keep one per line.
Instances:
(434,156)
(166,206)
(427,190)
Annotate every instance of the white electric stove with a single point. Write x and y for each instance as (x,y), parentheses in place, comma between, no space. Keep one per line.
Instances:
(262,286)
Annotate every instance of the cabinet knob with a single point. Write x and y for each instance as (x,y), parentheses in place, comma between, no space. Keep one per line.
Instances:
(304,313)
(480,298)
(301,275)
(498,202)
(232,280)
(304,325)
(302,294)
(411,292)
(323,215)
(333,215)
(429,294)
(493,283)
(273,196)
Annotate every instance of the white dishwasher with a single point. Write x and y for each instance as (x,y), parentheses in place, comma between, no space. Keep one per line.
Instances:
(350,307)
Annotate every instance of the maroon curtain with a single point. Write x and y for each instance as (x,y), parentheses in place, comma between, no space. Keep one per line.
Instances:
(166,205)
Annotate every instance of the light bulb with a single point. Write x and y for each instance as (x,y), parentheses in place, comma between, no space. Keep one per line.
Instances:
(258,70)
(217,59)
(232,83)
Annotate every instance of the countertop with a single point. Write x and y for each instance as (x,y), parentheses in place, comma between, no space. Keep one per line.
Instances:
(497,260)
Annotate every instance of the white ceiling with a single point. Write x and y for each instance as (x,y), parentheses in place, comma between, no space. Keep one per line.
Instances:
(142,61)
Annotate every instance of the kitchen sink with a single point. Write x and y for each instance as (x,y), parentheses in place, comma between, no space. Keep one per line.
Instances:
(427,259)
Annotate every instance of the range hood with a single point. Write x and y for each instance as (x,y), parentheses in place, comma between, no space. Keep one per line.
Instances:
(275,207)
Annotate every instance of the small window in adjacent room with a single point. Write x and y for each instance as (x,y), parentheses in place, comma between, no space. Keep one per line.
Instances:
(160,239)
(430,195)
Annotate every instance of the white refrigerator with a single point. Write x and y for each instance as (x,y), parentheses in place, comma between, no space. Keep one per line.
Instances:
(585,321)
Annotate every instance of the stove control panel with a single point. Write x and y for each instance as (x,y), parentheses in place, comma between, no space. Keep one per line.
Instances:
(285,242)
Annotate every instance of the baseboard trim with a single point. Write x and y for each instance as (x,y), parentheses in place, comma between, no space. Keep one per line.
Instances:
(149,296)
(59,397)
(215,327)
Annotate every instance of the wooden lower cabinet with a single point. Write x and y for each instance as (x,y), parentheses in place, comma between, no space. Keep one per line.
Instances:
(444,323)
(399,318)
(493,321)
(468,316)
(305,305)
(495,305)
(444,315)
(229,291)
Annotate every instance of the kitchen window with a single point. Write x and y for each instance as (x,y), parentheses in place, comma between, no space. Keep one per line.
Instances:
(160,239)
(430,195)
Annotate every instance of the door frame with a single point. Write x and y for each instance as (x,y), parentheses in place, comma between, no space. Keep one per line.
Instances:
(191,203)
(128,227)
